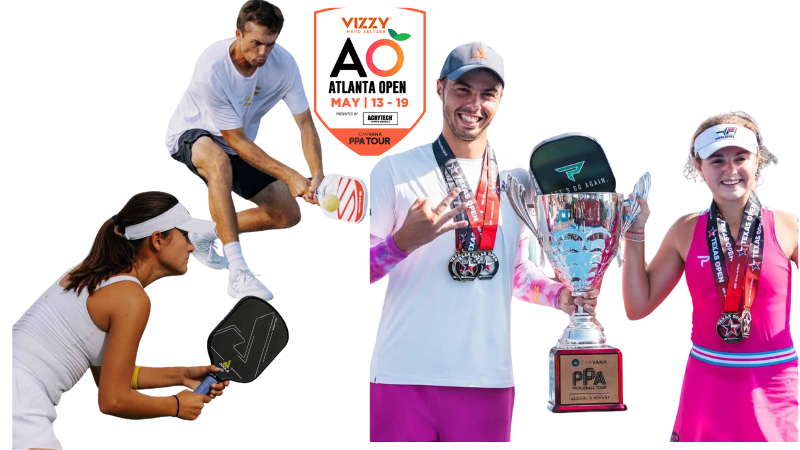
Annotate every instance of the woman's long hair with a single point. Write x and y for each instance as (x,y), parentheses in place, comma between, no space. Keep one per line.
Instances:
(111,253)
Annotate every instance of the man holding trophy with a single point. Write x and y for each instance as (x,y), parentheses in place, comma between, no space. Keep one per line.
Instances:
(456,253)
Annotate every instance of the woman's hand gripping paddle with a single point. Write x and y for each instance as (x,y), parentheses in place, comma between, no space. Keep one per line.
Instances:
(245,343)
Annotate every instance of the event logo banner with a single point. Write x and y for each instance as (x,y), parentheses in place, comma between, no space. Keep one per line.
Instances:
(369,75)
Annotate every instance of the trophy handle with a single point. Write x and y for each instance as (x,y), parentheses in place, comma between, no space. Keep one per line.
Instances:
(640,190)
(516,196)
(532,224)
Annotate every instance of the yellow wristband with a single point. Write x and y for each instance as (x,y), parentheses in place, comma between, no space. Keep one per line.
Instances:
(136,377)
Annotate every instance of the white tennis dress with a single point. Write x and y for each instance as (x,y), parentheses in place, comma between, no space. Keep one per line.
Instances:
(54,343)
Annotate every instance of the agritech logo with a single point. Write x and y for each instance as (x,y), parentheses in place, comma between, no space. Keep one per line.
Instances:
(571,170)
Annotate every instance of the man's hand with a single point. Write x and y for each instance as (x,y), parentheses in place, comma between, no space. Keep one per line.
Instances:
(425,222)
(569,301)
(311,194)
(298,184)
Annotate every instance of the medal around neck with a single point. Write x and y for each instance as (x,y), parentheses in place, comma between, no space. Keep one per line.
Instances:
(737,268)
(580,235)
(473,258)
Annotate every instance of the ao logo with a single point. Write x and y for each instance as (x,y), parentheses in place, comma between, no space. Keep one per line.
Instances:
(356,65)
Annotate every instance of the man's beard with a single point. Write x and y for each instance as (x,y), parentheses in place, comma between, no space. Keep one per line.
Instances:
(458,131)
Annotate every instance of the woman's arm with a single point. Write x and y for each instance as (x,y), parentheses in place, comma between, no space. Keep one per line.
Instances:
(158,377)
(645,286)
(787,229)
(128,309)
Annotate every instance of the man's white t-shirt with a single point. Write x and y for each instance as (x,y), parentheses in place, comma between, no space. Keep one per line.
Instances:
(220,98)
(434,330)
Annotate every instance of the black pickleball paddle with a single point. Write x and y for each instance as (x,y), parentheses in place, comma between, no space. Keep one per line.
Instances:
(570,163)
(245,343)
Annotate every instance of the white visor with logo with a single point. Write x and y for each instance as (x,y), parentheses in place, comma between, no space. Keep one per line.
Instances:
(722,136)
(175,217)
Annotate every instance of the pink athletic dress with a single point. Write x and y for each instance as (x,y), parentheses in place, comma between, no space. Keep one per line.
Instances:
(744,392)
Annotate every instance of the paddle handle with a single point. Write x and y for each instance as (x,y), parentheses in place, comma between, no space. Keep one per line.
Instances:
(205,386)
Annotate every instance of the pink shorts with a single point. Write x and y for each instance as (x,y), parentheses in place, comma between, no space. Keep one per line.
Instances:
(412,413)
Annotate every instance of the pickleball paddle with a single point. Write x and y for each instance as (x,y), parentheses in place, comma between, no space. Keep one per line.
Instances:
(570,163)
(245,343)
(342,198)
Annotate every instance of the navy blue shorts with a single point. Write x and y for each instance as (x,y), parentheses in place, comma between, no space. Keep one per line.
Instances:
(247,180)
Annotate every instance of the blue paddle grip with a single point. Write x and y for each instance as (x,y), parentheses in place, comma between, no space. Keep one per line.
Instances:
(205,386)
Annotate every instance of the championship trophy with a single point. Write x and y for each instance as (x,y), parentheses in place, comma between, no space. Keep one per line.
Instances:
(579,231)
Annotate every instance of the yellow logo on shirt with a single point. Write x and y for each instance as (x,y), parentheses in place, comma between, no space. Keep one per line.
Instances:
(249,100)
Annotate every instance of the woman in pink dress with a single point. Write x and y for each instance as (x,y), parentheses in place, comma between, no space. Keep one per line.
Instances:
(741,376)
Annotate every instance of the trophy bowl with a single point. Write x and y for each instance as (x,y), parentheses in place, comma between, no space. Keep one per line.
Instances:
(580,234)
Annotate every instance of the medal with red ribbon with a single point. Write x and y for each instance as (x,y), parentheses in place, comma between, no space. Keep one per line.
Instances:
(736,267)
(474,257)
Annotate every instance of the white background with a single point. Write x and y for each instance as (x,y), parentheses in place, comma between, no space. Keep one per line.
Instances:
(88,90)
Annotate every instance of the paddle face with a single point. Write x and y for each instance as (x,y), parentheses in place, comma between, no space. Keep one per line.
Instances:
(247,340)
(342,198)
(571,163)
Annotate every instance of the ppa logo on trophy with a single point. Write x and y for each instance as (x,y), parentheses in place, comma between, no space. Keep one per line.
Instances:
(369,75)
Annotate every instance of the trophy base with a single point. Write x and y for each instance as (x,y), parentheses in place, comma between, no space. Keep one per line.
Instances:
(588,379)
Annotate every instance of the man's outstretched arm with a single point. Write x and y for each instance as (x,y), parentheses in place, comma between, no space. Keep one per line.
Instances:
(312,150)
(258,158)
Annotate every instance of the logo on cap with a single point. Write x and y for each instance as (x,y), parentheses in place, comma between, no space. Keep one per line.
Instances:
(479,53)
(571,170)
(727,133)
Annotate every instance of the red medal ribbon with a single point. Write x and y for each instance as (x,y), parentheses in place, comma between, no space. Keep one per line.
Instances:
(744,262)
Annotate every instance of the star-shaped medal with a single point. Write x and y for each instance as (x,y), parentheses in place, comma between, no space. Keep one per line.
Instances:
(731,327)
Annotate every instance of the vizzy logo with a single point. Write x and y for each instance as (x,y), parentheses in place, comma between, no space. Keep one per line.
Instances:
(571,170)
(365,22)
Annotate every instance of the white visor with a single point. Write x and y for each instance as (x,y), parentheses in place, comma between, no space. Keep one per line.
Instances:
(725,135)
(176,217)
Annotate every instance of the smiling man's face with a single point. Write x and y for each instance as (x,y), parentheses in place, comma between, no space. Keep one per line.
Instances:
(470,102)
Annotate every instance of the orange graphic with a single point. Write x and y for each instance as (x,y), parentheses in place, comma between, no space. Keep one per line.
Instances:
(395,47)
(373,141)
(479,53)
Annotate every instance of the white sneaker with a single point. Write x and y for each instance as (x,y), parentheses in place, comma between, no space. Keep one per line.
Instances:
(242,283)
(204,250)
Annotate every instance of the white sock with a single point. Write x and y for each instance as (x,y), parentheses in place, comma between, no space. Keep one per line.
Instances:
(233,251)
